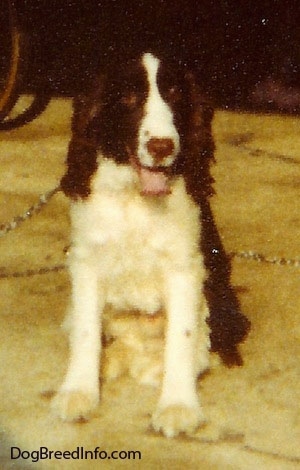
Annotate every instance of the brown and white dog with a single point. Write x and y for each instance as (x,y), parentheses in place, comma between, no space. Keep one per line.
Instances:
(143,236)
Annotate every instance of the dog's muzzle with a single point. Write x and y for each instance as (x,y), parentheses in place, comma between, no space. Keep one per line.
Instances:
(154,180)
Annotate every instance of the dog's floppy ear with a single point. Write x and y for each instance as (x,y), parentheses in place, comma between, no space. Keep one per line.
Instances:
(227,323)
(199,145)
(82,152)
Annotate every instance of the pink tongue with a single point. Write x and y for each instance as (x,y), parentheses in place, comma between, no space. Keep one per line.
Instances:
(154,183)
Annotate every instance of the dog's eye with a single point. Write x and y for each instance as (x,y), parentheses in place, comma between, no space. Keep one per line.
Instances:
(174,93)
(130,100)
(173,90)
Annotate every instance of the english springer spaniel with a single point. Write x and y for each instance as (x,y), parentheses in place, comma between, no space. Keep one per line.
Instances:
(143,235)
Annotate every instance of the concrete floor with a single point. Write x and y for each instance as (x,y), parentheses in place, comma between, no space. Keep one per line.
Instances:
(253,411)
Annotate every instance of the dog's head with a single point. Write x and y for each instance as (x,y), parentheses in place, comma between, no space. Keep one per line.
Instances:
(149,114)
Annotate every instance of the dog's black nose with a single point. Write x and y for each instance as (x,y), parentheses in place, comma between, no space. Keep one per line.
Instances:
(160,148)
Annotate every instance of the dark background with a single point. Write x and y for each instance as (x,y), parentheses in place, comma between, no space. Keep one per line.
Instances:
(233,44)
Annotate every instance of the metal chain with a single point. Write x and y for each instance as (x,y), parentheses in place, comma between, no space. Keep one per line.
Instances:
(19,220)
(241,142)
(34,209)
(252,255)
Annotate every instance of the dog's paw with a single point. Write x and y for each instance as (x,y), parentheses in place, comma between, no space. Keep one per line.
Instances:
(175,419)
(75,405)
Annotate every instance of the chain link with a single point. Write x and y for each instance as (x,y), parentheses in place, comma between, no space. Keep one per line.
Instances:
(19,220)
(34,209)
(241,142)
(252,255)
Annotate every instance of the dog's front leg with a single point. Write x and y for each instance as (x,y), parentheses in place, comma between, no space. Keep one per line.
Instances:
(178,408)
(79,393)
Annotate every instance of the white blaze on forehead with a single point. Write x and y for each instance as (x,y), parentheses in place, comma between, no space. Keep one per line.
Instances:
(158,120)
(151,64)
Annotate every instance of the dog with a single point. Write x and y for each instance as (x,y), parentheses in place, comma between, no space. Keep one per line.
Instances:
(143,234)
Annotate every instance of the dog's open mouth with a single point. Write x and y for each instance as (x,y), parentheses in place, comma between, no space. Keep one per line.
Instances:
(154,181)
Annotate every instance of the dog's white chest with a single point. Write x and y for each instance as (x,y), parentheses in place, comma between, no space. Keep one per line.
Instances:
(133,240)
